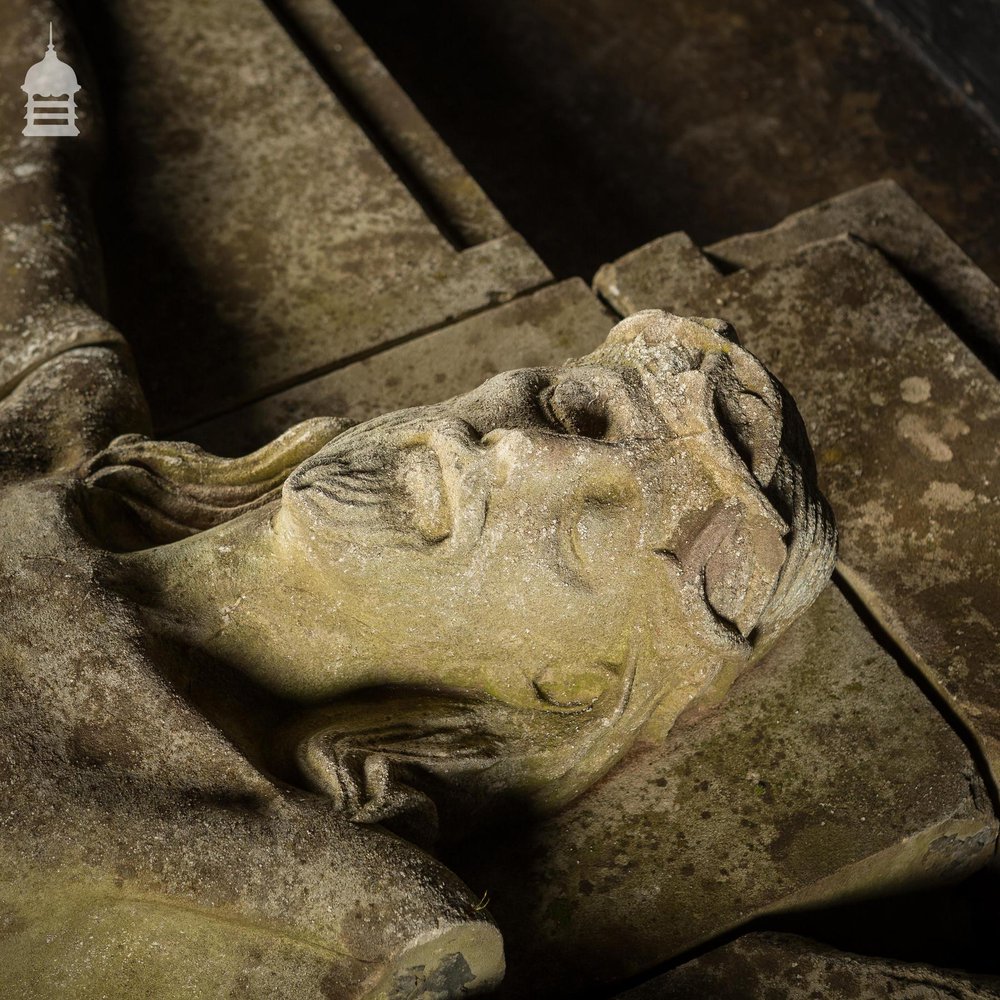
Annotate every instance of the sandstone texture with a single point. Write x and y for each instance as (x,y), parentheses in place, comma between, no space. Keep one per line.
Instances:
(540,329)
(886,217)
(824,776)
(786,967)
(49,252)
(255,233)
(514,627)
(906,425)
(450,193)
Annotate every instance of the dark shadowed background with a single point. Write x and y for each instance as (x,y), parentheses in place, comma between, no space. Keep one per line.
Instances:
(596,125)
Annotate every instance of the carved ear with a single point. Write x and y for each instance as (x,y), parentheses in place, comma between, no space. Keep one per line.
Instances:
(753,426)
(371,787)
(415,760)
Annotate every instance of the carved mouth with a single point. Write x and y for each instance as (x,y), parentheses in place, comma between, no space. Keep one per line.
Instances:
(421,475)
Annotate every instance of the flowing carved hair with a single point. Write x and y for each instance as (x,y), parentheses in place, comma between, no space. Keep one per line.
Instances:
(168,490)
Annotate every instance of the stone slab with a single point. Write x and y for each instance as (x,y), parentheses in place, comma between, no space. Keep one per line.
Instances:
(351,66)
(255,233)
(905,422)
(825,775)
(885,216)
(671,270)
(600,124)
(787,967)
(543,328)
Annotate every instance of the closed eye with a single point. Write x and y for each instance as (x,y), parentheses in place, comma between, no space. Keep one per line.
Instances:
(753,428)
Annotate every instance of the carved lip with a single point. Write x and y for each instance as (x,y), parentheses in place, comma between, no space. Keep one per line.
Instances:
(422,476)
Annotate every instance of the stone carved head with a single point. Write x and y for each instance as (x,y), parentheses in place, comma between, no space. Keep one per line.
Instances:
(489,598)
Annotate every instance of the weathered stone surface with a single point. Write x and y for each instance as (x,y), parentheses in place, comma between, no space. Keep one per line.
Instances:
(670,269)
(190,642)
(616,526)
(906,425)
(787,967)
(885,216)
(600,124)
(126,868)
(158,673)
(49,255)
(256,234)
(543,328)
(351,66)
(112,892)
(825,775)
(187,639)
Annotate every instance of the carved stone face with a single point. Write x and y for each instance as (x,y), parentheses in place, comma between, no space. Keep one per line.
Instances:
(537,537)
(529,572)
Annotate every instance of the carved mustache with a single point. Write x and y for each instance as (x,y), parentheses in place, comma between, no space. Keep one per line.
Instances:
(397,466)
